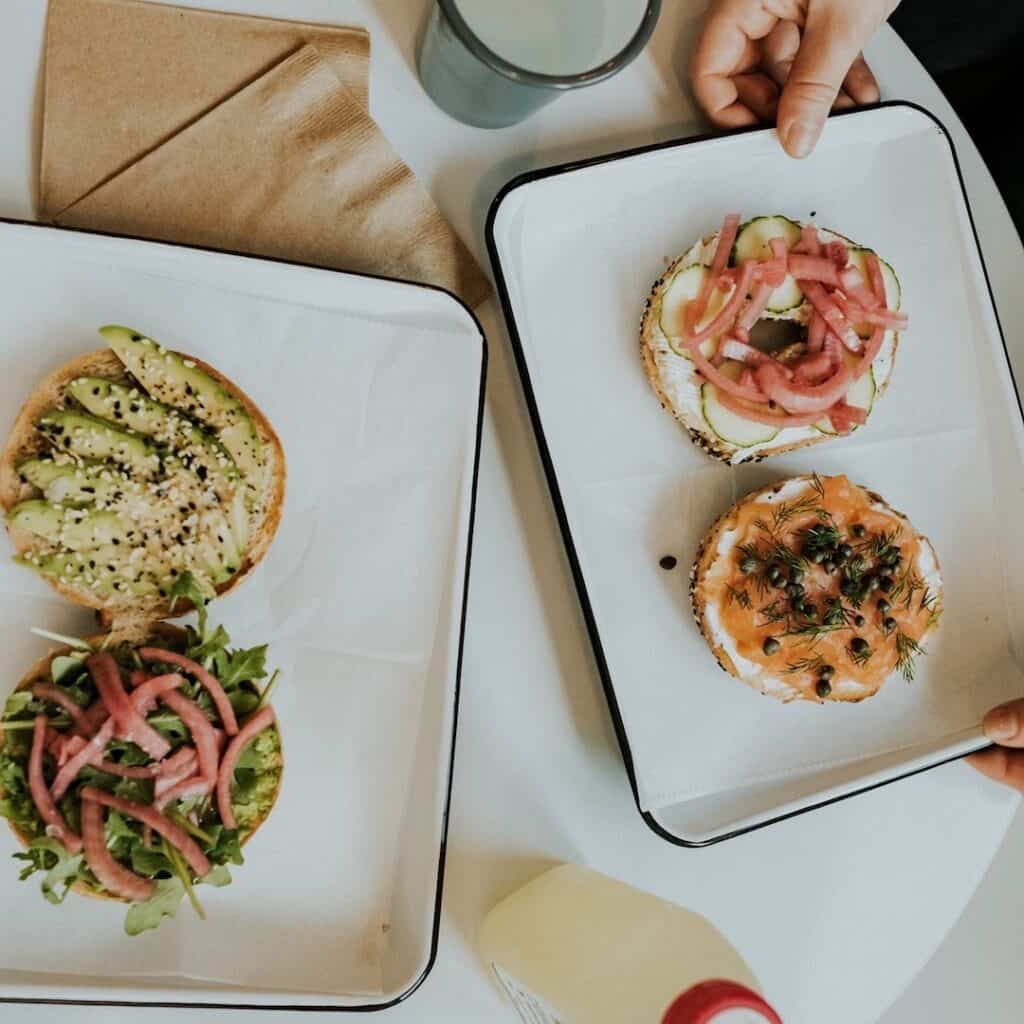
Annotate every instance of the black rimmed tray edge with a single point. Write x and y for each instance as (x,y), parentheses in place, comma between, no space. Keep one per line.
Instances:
(446,815)
(555,490)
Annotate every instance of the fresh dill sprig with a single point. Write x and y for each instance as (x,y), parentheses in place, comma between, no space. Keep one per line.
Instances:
(907,651)
(790,510)
(812,632)
(777,611)
(787,556)
(822,537)
(818,486)
(741,597)
(882,544)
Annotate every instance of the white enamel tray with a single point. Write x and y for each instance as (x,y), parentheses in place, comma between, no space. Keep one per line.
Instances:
(375,388)
(576,250)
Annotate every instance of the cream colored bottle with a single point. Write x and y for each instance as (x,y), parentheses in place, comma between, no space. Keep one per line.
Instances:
(576,947)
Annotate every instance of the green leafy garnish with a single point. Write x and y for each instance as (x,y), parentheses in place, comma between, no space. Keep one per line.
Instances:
(163,903)
(907,652)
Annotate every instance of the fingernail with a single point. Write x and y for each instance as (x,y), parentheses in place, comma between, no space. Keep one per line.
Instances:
(801,138)
(1001,724)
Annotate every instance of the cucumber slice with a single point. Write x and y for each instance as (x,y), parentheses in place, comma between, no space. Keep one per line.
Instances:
(725,423)
(682,289)
(893,290)
(861,394)
(752,244)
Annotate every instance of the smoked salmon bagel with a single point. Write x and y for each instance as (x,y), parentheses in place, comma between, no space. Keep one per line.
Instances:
(771,335)
(816,589)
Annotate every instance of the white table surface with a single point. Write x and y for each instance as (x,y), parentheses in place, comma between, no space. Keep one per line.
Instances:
(836,911)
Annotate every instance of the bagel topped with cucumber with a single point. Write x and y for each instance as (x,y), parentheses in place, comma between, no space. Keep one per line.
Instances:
(771,335)
(132,466)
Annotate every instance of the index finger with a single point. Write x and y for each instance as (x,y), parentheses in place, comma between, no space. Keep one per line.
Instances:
(1005,724)
(727,47)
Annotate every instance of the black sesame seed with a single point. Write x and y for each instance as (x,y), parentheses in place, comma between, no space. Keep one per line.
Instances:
(136,337)
(668,563)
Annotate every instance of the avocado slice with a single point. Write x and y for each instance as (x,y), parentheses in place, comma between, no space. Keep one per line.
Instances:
(92,438)
(73,529)
(81,483)
(128,407)
(170,378)
(100,569)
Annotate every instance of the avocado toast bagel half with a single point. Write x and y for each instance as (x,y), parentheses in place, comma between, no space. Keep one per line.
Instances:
(130,772)
(133,465)
(833,312)
(816,589)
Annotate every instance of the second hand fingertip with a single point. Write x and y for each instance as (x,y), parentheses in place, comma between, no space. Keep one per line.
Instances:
(800,138)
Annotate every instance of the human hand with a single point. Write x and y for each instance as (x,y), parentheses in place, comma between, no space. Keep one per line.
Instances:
(1004,725)
(791,61)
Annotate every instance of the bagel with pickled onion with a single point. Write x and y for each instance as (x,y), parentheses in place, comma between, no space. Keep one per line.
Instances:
(771,335)
(816,589)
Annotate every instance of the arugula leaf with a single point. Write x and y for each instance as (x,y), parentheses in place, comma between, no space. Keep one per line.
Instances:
(190,588)
(149,863)
(17,703)
(218,877)
(234,667)
(64,665)
(226,849)
(163,903)
(46,854)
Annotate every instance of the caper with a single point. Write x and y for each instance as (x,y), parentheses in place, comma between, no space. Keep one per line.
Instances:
(823,688)
(818,557)
(857,565)
(845,550)
(886,583)
(872,583)
(883,605)
(892,558)
(826,672)
(749,565)
(859,529)
(771,646)
(795,590)
(828,565)
(774,573)
(859,621)
(859,645)
(796,574)
(890,624)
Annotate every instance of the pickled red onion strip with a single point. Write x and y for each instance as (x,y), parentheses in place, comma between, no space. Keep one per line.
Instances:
(813,268)
(837,252)
(876,280)
(755,307)
(199,726)
(41,797)
(760,413)
(261,720)
(173,833)
(128,722)
(723,249)
(851,280)
(816,333)
(207,679)
(55,695)
(802,398)
(832,315)
(114,877)
(723,321)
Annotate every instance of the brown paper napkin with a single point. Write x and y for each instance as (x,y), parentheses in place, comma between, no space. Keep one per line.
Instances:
(199,128)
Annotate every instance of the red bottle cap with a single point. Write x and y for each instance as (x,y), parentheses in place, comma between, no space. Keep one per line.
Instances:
(708,1003)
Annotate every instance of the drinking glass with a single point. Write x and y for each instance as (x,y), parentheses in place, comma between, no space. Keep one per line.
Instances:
(492,63)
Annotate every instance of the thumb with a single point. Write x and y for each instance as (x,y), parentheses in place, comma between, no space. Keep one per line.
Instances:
(831,41)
